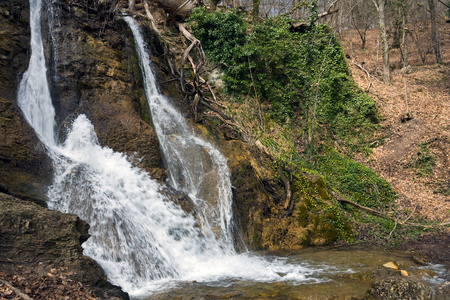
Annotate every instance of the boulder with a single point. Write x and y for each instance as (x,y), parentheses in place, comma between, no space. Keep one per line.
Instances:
(399,289)
(39,240)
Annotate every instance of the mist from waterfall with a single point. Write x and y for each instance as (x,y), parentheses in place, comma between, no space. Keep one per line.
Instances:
(141,239)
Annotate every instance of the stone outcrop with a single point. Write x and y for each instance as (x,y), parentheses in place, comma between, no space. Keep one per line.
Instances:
(399,289)
(40,239)
(259,196)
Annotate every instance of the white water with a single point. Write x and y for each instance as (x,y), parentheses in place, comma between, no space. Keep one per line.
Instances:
(195,167)
(34,95)
(143,241)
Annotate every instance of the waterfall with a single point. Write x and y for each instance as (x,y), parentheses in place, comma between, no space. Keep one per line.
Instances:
(34,94)
(141,239)
(195,166)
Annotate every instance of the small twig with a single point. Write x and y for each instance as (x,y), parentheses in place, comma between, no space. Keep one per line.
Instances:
(406,96)
(202,101)
(170,80)
(16,290)
(395,226)
(409,215)
(382,215)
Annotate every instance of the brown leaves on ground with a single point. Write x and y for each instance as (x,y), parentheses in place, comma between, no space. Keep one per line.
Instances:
(56,284)
(416,112)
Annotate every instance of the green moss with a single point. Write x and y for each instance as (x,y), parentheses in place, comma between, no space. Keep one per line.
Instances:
(302,215)
(256,237)
(424,161)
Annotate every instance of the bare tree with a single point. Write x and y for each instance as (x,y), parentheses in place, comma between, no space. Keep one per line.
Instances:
(255,10)
(400,33)
(434,32)
(362,20)
(380,6)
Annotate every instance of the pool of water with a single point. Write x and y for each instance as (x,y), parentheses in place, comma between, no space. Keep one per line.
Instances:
(329,273)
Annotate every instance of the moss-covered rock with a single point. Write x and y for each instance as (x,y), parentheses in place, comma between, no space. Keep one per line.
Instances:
(260,196)
(399,289)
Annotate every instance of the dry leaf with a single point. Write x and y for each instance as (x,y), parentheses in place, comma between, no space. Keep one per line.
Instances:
(404,273)
(391,265)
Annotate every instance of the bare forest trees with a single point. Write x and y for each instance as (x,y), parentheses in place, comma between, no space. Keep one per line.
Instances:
(361,18)
(400,29)
(412,26)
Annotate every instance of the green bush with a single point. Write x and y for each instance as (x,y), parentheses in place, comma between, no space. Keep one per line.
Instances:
(284,68)
(222,34)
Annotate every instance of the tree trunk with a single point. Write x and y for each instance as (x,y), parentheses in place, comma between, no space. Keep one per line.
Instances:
(434,33)
(401,7)
(403,44)
(380,6)
(131,4)
(255,10)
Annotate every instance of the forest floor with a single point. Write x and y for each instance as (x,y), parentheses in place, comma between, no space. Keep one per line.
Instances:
(413,150)
(413,155)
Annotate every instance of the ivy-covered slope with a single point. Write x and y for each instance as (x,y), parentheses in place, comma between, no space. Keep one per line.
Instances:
(290,87)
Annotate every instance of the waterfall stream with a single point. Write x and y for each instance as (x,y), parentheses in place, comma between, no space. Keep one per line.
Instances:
(195,167)
(143,240)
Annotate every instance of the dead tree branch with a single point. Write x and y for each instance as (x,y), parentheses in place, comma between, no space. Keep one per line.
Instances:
(367,73)
(16,290)
(287,186)
(371,211)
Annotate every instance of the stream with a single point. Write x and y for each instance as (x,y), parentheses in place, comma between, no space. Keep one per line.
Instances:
(345,272)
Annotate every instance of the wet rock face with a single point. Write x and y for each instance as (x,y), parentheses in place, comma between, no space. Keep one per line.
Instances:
(14,45)
(39,239)
(399,289)
(259,197)
(94,71)
(25,169)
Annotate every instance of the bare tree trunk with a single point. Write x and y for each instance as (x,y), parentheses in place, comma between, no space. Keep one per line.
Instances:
(401,7)
(434,33)
(380,6)
(255,10)
(131,4)
(403,43)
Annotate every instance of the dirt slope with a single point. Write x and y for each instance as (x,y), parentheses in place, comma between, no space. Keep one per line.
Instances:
(413,151)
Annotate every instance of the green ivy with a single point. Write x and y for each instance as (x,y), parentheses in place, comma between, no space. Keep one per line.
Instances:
(222,34)
(359,182)
(284,68)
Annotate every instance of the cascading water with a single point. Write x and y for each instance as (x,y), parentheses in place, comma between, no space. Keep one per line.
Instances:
(195,167)
(34,94)
(140,238)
